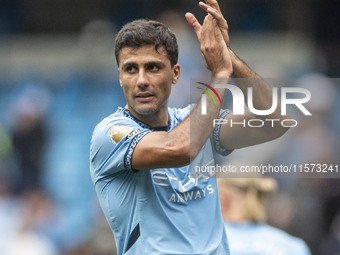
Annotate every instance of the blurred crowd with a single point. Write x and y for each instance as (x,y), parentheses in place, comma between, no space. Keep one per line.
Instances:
(34,217)
(47,201)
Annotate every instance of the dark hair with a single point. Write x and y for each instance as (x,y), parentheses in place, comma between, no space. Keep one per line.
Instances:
(143,32)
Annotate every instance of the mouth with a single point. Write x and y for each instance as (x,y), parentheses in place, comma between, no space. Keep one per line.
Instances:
(144,97)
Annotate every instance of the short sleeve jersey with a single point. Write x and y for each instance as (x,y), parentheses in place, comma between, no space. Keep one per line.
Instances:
(158,211)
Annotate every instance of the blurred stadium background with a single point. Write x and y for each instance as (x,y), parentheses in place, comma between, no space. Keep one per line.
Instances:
(58,78)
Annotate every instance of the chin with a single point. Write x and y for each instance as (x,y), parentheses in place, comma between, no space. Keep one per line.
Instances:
(145,110)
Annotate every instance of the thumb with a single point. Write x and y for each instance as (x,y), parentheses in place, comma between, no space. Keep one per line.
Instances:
(194,23)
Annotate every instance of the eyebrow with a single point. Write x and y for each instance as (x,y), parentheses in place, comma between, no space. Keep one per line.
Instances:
(125,65)
(158,63)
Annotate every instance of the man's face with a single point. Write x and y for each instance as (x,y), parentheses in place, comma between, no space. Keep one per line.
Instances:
(146,77)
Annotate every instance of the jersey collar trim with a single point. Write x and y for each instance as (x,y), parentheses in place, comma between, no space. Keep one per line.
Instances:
(128,114)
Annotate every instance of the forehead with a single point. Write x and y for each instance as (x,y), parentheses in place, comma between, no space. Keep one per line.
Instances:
(145,53)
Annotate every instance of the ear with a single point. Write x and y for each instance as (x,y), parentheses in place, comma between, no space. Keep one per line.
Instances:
(176,73)
(120,82)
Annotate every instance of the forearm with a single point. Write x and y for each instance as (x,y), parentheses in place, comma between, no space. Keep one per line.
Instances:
(240,68)
(262,93)
(197,127)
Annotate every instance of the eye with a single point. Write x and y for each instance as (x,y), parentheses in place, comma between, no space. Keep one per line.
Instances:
(153,67)
(130,68)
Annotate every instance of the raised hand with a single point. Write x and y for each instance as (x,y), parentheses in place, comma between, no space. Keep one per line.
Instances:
(212,8)
(213,47)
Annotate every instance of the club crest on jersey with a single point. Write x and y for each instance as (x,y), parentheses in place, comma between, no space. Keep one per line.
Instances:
(118,132)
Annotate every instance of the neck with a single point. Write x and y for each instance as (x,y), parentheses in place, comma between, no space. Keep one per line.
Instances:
(157,119)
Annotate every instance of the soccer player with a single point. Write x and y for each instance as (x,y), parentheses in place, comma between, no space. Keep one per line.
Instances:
(143,156)
(244,215)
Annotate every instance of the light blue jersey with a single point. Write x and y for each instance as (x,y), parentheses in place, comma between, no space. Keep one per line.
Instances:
(159,211)
(262,239)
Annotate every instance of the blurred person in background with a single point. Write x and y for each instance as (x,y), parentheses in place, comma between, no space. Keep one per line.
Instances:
(6,150)
(99,242)
(35,226)
(9,204)
(29,135)
(315,195)
(330,244)
(7,163)
(244,215)
(28,216)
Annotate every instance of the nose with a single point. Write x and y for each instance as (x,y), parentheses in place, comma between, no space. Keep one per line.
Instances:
(142,80)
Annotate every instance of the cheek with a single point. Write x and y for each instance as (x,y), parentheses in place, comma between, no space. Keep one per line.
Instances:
(126,91)
(167,84)
(166,90)
(126,85)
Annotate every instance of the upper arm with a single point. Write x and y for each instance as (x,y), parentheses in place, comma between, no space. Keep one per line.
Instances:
(111,148)
(160,149)
(126,147)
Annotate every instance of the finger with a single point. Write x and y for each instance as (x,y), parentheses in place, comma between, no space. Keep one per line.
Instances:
(194,23)
(215,13)
(214,4)
(203,31)
(222,23)
(204,6)
(206,33)
(210,28)
(205,24)
(218,16)
(217,31)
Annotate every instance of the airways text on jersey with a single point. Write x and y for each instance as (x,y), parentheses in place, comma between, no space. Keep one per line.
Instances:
(191,188)
(191,195)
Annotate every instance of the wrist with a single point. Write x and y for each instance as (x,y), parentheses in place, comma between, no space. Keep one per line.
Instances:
(234,59)
(222,74)
(238,65)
